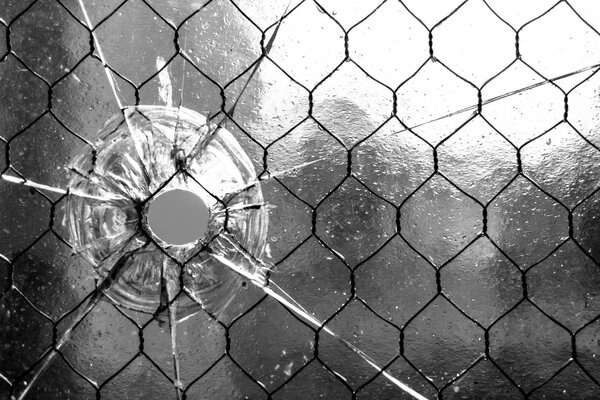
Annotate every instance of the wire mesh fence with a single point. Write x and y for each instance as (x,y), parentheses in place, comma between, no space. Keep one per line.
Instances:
(431,172)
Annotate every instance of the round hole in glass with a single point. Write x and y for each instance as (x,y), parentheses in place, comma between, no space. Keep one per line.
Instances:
(178,217)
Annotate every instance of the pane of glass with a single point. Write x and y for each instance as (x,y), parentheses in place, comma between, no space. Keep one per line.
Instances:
(392,199)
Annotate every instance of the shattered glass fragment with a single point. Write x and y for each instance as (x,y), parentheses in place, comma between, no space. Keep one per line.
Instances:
(141,158)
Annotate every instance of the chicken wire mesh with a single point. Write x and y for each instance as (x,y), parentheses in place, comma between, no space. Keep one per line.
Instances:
(437,206)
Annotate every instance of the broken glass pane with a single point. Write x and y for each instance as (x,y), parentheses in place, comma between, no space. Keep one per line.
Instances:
(232,199)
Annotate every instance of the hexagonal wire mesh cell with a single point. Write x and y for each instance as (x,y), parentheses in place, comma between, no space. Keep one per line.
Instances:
(396,192)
